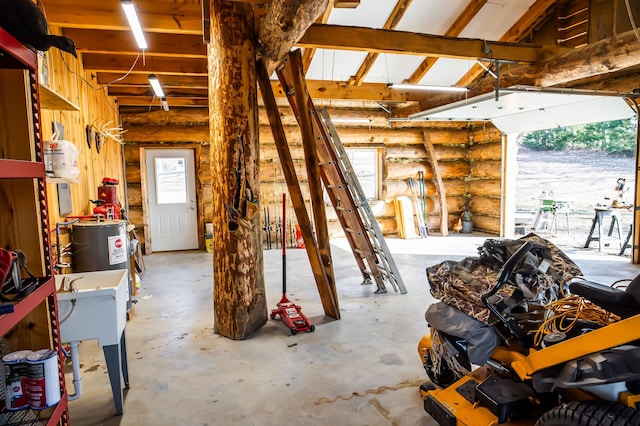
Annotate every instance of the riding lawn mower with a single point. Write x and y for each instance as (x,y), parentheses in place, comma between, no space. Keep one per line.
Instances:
(530,342)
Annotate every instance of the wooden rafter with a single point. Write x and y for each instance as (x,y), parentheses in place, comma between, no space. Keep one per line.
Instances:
(132,85)
(517,32)
(122,42)
(392,22)
(150,100)
(124,63)
(454,30)
(605,56)
(342,37)
(307,55)
(155,16)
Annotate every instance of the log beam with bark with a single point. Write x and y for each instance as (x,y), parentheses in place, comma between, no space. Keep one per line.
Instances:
(283,25)
(560,70)
(239,290)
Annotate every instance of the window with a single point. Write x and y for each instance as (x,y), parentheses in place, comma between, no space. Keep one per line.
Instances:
(366,167)
(171,181)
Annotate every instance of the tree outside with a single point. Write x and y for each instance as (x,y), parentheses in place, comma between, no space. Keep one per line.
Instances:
(611,137)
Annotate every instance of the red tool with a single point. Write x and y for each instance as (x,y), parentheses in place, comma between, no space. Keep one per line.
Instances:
(107,203)
(290,313)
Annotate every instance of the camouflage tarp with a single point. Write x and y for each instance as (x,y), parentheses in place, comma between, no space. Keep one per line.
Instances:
(461,283)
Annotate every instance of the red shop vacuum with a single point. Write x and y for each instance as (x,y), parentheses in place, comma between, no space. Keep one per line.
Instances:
(107,203)
(290,313)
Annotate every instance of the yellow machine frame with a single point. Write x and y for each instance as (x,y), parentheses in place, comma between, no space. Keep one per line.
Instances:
(466,413)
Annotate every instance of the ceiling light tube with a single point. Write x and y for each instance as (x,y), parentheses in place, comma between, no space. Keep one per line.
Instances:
(426,87)
(165,105)
(130,11)
(155,84)
(351,120)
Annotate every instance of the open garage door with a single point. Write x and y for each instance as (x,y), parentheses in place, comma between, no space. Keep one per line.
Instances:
(524,109)
(521,109)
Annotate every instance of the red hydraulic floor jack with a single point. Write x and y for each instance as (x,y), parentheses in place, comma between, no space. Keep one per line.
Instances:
(290,313)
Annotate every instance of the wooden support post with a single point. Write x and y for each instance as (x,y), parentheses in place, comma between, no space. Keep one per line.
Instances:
(635,248)
(294,64)
(238,291)
(329,302)
(444,210)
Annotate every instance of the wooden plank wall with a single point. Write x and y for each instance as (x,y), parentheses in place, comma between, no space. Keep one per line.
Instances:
(79,87)
(23,230)
(469,157)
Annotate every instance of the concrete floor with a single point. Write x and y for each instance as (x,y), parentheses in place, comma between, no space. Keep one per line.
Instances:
(361,370)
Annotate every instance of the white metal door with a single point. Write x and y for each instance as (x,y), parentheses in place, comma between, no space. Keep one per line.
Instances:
(172,199)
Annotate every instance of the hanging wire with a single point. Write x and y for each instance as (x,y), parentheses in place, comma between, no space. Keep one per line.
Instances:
(122,77)
(386,65)
(104,85)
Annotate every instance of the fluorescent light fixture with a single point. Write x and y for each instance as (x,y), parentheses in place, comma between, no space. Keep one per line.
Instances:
(351,120)
(524,109)
(165,105)
(130,11)
(155,84)
(427,87)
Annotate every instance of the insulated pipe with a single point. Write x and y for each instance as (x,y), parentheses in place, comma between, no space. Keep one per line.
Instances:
(75,363)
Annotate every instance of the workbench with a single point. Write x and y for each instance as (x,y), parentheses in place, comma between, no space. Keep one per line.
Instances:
(600,214)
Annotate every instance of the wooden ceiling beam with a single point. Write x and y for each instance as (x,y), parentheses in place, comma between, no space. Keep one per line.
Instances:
(154,101)
(612,55)
(605,56)
(148,91)
(454,30)
(392,22)
(111,41)
(176,17)
(135,84)
(168,81)
(342,37)
(125,63)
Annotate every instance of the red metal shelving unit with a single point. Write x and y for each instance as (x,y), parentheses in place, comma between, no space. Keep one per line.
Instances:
(14,55)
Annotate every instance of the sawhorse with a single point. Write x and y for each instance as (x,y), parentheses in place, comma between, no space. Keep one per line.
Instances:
(626,241)
(598,221)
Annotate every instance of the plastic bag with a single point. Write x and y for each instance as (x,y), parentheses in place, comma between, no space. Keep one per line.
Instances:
(61,161)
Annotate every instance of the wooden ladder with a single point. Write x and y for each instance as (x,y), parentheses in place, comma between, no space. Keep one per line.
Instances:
(354,213)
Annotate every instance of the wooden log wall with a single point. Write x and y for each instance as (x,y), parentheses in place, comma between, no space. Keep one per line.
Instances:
(178,128)
(485,175)
(469,158)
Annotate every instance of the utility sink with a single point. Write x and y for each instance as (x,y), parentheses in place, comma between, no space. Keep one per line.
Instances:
(97,310)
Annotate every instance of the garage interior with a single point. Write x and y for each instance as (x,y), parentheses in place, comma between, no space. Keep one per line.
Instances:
(205,269)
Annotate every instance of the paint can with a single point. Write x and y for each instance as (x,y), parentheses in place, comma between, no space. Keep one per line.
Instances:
(15,370)
(41,384)
(32,379)
(208,242)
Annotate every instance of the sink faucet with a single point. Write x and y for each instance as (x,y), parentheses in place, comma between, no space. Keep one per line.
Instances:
(67,285)
(74,287)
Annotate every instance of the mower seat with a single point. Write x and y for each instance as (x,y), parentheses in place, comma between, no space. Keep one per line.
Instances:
(624,303)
